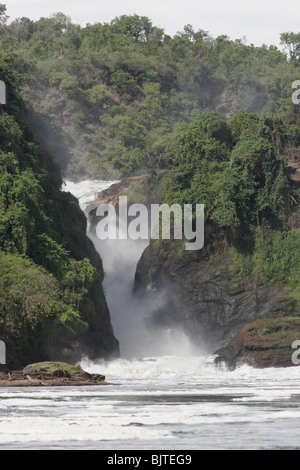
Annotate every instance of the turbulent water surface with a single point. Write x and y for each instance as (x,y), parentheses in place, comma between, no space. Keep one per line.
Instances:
(163,394)
(167,402)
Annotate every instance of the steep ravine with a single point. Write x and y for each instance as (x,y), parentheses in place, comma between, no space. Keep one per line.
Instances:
(199,295)
(216,304)
(137,318)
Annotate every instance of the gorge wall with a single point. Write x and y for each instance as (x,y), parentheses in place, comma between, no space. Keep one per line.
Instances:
(52,304)
(206,295)
(203,293)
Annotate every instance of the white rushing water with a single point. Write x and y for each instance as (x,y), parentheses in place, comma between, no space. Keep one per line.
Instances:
(166,397)
(131,315)
(168,403)
(85,191)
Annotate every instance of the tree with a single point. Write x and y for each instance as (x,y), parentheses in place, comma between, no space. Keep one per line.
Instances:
(138,27)
(3,16)
(292,43)
(62,22)
(22,28)
(188,30)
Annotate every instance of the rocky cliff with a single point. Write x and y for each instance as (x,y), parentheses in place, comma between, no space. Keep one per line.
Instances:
(216,300)
(207,296)
(52,304)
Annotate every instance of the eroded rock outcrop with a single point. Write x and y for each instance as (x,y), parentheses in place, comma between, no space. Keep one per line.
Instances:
(50,374)
(263,343)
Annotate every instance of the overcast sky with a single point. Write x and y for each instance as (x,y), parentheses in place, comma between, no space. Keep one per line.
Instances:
(260,21)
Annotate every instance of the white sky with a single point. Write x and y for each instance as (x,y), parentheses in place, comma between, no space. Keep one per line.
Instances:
(260,21)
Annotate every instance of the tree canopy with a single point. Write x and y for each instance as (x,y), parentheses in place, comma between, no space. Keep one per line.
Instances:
(86,86)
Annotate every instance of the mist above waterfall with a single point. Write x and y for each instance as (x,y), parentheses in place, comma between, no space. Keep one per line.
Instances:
(134,317)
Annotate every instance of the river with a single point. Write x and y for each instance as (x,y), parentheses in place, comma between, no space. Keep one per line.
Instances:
(163,393)
(158,403)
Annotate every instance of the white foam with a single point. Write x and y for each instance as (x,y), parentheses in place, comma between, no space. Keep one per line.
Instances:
(41,429)
(85,190)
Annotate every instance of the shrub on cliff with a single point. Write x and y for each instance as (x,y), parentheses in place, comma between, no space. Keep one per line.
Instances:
(33,311)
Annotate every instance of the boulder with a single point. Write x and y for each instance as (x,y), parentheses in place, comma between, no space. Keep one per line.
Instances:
(263,343)
(50,374)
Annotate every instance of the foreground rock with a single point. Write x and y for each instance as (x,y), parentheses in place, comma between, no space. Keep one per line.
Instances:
(263,343)
(50,374)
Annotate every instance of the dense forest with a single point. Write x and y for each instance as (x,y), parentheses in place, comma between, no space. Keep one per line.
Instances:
(211,117)
(98,97)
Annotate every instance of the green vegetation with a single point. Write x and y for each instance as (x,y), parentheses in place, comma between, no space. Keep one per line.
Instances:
(100,96)
(210,119)
(50,275)
(277,260)
(239,169)
(234,168)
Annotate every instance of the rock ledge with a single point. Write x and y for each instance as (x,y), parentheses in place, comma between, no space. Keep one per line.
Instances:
(50,374)
(263,343)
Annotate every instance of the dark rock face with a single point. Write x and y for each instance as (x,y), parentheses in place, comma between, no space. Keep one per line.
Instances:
(204,296)
(263,343)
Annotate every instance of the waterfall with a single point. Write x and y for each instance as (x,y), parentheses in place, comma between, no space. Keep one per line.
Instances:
(131,315)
